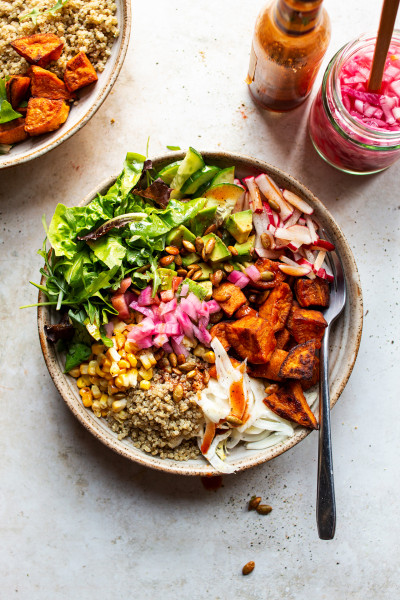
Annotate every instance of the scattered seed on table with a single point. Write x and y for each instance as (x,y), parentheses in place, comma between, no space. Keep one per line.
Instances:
(264,509)
(248,567)
(254,502)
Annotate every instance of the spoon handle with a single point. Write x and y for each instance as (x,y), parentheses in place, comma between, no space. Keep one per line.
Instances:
(326,508)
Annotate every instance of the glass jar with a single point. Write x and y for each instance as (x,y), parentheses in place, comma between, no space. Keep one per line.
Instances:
(339,138)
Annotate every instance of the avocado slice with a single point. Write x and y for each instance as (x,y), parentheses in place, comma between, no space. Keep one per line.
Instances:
(220,251)
(176,235)
(198,289)
(190,259)
(203,219)
(244,250)
(206,271)
(207,287)
(166,276)
(240,225)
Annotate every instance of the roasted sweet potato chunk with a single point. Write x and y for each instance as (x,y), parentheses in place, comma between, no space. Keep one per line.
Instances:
(245,311)
(290,403)
(39,49)
(264,264)
(45,115)
(306,324)
(271,369)
(219,331)
(13,131)
(79,72)
(230,297)
(213,370)
(312,292)
(306,384)
(252,338)
(45,84)
(277,306)
(282,339)
(300,361)
(17,90)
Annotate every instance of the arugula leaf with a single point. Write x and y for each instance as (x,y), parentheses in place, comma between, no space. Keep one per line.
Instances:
(7,113)
(59,4)
(77,353)
(31,15)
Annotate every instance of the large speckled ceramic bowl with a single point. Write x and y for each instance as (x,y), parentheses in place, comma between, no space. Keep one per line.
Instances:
(344,339)
(90,99)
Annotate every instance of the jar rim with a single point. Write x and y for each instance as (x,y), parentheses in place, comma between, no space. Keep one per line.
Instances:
(334,68)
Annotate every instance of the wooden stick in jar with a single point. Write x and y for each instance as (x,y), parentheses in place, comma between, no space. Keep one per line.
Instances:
(386,26)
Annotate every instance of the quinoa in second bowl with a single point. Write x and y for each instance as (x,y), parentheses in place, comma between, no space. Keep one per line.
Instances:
(84,26)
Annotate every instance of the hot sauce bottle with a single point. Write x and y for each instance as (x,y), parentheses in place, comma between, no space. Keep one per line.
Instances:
(289,43)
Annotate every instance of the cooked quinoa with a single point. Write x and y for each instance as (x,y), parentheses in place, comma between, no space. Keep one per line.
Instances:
(157,423)
(88,26)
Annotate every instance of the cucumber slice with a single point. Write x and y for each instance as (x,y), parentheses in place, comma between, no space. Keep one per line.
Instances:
(224,176)
(198,179)
(192,162)
(168,173)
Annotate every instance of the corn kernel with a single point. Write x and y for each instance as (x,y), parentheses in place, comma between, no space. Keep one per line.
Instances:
(132,377)
(118,405)
(96,408)
(132,359)
(120,340)
(122,381)
(144,385)
(124,364)
(96,391)
(103,401)
(83,381)
(122,353)
(103,384)
(130,347)
(119,327)
(92,367)
(112,389)
(97,349)
(94,379)
(146,374)
(114,369)
(209,357)
(104,413)
(122,415)
(84,390)
(99,372)
(144,359)
(112,355)
(75,372)
(84,368)
(87,399)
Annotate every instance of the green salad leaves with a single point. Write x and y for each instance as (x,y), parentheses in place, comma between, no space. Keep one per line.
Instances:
(94,247)
(7,113)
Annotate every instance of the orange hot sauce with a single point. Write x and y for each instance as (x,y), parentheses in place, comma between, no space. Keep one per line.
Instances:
(289,43)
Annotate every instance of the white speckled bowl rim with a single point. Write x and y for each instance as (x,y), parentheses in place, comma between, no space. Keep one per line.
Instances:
(344,343)
(91,99)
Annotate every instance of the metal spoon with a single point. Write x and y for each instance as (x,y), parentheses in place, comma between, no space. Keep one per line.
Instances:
(326,508)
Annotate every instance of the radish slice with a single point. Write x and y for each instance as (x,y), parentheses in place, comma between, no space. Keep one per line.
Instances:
(311,229)
(293,219)
(256,204)
(319,261)
(273,193)
(294,271)
(297,202)
(297,233)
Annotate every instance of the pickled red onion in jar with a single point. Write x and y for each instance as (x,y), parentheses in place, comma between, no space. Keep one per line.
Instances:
(352,129)
(376,110)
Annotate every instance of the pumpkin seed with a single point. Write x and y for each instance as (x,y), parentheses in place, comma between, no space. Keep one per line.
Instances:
(181,272)
(188,246)
(233,420)
(166,260)
(199,243)
(210,229)
(248,567)
(172,250)
(265,241)
(254,502)
(177,394)
(274,205)
(264,509)
(267,276)
(233,250)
